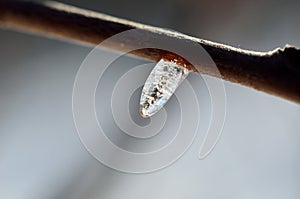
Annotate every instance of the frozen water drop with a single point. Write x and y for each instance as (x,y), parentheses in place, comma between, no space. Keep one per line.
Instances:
(162,82)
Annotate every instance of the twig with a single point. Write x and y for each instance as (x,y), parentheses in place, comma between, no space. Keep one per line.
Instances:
(276,72)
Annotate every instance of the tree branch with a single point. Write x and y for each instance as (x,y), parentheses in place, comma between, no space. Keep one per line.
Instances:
(276,72)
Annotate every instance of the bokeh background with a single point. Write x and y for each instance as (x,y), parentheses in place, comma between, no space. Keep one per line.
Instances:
(41,155)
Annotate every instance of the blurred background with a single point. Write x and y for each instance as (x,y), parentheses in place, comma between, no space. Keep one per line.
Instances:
(41,155)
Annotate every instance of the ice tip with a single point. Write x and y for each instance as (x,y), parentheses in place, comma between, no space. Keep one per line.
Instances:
(143,112)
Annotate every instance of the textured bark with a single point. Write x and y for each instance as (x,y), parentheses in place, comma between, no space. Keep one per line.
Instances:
(276,72)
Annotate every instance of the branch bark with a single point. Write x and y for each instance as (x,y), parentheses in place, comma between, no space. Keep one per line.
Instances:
(276,72)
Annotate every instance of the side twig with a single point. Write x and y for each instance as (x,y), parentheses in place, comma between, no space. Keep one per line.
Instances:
(276,72)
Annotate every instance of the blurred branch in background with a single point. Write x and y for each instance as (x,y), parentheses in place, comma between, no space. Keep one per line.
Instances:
(276,72)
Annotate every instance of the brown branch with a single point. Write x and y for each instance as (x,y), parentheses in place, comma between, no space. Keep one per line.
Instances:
(276,72)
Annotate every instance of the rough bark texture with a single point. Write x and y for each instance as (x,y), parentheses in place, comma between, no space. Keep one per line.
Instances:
(276,72)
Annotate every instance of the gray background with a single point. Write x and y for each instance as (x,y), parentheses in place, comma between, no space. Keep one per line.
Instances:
(41,155)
